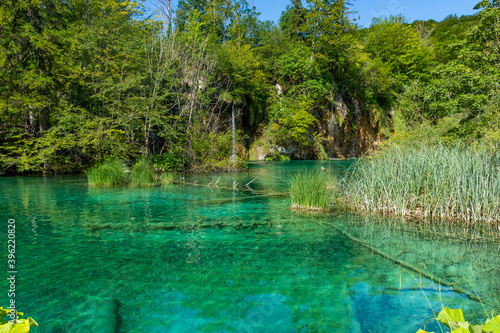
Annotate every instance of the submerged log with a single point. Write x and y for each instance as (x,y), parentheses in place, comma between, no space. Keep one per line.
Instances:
(416,269)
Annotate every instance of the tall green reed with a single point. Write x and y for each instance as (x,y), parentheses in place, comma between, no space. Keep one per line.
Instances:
(440,181)
(308,191)
(142,174)
(109,173)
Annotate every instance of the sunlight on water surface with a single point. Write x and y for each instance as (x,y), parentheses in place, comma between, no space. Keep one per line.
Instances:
(198,258)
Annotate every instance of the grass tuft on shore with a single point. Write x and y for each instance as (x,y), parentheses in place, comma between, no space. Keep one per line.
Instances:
(167,178)
(308,191)
(109,173)
(443,182)
(142,174)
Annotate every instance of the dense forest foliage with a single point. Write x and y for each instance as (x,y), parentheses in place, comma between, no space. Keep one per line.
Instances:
(86,80)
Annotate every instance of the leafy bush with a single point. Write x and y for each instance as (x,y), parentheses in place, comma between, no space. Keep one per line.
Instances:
(308,191)
(455,321)
(167,178)
(277,156)
(425,133)
(14,324)
(319,149)
(109,173)
(170,161)
(142,174)
(212,152)
(291,126)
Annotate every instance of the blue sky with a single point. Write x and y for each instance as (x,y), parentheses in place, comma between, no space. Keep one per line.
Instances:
(367,9)
(412,9)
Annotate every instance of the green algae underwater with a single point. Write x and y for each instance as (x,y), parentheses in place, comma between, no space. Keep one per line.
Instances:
(210,254)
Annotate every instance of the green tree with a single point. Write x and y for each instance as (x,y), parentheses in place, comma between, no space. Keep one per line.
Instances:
(291,126)
(77,70)
(397,44)
(248,82)
(224,19)
(33,73)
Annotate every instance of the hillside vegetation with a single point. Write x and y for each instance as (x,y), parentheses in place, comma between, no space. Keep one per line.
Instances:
(86,81)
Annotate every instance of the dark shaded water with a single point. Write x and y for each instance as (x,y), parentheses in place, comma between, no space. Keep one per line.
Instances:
(224,258)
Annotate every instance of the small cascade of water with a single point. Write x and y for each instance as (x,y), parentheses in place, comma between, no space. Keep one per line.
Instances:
(333,127)
(353,146)
(233,127)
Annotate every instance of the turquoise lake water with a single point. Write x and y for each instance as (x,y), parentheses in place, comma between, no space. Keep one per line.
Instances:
(224,258)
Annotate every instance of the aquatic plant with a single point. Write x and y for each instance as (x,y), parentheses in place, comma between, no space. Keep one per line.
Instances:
(308,191)
(108,173)
(142,174)
(167,178)
(455,321)
(14,324)
(446,182)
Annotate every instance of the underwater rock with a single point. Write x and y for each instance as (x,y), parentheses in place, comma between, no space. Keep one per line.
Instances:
(469,267)
(96,315)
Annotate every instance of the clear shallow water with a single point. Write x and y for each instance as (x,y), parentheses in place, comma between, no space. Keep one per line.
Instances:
(189,258)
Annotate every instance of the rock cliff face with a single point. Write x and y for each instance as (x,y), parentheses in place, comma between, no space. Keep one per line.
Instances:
(350,129)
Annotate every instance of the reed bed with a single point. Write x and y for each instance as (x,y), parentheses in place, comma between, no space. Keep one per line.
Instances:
(142,174)
(442,182)
(308,191)
(109,173)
